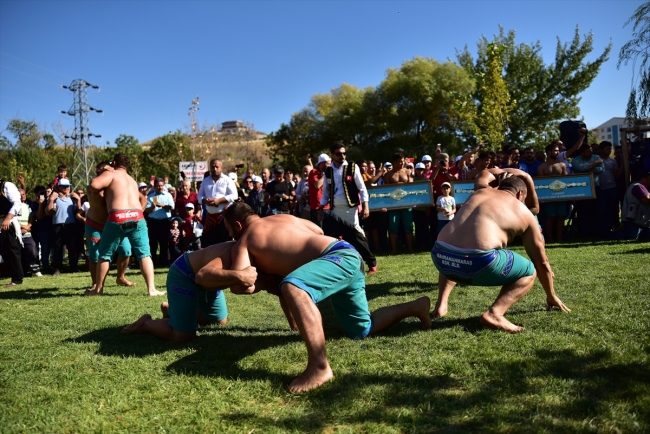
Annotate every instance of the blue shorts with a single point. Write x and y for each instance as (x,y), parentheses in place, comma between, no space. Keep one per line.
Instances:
(338,274)
(113,234)
(394,217)
(480,267)
(93,237)
(186,298)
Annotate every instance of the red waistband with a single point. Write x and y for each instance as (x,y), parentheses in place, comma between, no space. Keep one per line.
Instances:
(125,215)
(94,224)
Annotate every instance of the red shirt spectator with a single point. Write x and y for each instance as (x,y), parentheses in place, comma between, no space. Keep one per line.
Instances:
(185,196)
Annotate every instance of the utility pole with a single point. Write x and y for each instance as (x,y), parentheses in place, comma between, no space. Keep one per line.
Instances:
(193,124)
(82,161)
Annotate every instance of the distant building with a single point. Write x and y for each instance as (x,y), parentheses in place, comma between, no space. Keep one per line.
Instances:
(238,128)
(611,131)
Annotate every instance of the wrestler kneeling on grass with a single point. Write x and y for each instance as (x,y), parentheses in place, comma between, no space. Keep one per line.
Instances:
(313,267)
(471,250)
(195,284)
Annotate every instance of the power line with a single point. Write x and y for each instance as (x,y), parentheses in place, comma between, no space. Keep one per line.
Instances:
(34,64)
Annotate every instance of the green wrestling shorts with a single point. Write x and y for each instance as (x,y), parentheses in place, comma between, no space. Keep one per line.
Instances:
(186,298)
(394,217)
(480,267)
(94,235)
(123,224)
(338,274)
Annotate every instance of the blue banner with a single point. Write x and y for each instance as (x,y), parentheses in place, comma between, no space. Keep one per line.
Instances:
(396,196)
(548,188)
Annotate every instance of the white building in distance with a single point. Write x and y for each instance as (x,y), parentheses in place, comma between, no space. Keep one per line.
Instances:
(611,131)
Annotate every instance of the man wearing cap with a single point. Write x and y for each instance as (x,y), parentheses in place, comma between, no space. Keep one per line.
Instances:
(315,181)
(216,192)
(344,190)
(279,193)
(61,206)
(186,195)
(159,210)
(10,237)
(428,166)
(144,188)
(255,197)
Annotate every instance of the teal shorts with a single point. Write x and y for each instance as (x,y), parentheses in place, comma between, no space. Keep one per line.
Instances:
(394,217)
(480,267)
(555,209)
(94,235)
(338,274)
(114,233)
(186,298)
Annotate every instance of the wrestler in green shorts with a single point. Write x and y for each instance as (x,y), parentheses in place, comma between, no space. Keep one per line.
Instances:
(186,298)
(114,233)
(337,274)
(394,217)
(93,237)
(497,267)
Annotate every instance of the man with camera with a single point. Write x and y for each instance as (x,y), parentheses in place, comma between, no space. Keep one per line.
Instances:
(279,193)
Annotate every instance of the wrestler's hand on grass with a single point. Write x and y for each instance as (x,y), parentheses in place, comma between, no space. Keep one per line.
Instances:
(555,301)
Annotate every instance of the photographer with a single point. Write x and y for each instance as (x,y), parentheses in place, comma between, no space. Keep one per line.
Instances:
(279,193)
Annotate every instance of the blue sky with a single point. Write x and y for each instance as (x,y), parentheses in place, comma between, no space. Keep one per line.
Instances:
(261,61)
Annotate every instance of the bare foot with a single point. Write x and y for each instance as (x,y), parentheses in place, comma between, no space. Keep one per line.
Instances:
(164,308)
(423,304)
(124,282)
(311,379)
(93,291)
(138,326)
(439,311)
(154,292)
(500,322)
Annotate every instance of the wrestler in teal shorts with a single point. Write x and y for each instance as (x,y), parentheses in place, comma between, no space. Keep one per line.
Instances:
(93,237)
(338,274)
(185,298)
(114,233)
(394,217)
(497,267)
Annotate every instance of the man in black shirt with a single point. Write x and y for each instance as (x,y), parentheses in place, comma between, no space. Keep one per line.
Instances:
(279,193)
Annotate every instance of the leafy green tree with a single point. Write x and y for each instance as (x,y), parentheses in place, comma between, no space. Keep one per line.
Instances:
(542,94)
(637,50)
(164,154)
(494,99)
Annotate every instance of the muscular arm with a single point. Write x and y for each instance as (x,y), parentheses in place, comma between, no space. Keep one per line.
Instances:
(102,181)
(534,245)
(213,277)
(490,178)
(240,259)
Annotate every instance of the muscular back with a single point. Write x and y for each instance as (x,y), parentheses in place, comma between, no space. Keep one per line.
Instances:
(218,254)
(122,193)
(280,244)
(487,220)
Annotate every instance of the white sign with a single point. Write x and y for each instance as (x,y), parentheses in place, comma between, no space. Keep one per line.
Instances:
(193,170)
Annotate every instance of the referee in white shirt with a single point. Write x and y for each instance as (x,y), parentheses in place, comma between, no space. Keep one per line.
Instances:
(216,192)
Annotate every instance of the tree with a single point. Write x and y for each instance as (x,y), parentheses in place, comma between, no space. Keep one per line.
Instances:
(494,98)
(637,50)
(542,94)
(164,154)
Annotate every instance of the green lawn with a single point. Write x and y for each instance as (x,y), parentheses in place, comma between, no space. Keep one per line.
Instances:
(65,367)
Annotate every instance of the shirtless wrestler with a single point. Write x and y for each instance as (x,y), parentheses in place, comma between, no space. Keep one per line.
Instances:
(555,211)
(195,284)
(314,267)
(471,249)
(399,174)
(96,214)
(125,220)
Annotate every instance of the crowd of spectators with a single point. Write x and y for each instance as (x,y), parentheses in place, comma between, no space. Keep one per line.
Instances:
(185,217)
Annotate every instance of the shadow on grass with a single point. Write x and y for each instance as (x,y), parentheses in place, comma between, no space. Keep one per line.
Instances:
(416,288)
(30,294)
(594,386)
(645,250)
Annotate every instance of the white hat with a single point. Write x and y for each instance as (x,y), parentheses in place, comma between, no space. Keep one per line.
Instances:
(426,158)
(257,179)
(323,158)
(143,184)
(388,163)
(445,184)
(233,176)
(420,166)
(189,205)
(63,182)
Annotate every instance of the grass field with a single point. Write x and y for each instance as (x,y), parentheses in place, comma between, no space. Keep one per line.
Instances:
(65,367)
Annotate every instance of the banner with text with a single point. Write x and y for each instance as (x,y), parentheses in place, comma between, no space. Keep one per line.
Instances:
(193,170)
